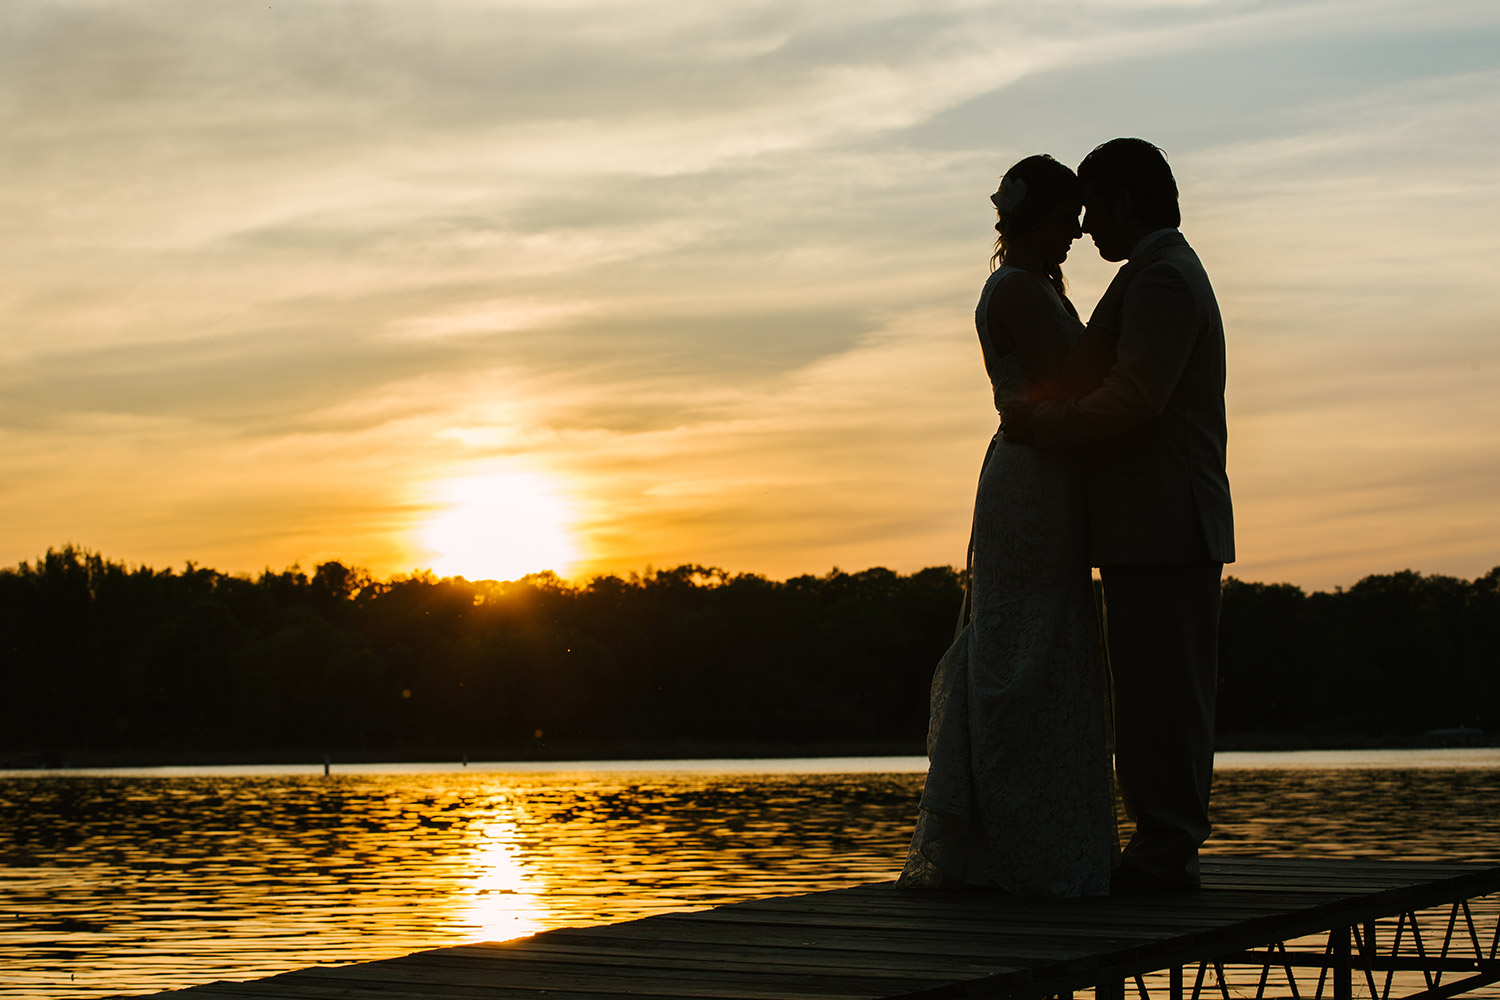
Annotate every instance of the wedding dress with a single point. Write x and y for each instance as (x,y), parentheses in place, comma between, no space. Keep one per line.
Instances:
(1019,792)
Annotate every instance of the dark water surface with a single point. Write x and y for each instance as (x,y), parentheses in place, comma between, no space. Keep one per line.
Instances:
(134,881)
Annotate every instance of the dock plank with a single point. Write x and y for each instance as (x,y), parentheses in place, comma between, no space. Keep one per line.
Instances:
(673,955)
(691,957)
(769,983)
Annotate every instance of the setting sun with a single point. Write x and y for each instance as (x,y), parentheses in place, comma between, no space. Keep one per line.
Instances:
(499,527)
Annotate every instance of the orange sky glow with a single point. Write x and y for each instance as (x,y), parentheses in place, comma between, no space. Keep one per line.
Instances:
(493,288)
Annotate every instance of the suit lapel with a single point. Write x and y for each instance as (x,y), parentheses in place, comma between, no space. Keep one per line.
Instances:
(1107,311)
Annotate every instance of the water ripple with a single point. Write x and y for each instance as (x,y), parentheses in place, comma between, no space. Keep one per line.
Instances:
(112,884)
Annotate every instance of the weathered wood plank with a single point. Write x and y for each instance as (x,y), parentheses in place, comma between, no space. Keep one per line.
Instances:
(692,958)
(298,989)
(750,959)
(769,984)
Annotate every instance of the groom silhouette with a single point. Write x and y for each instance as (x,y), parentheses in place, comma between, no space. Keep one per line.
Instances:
(1160,524)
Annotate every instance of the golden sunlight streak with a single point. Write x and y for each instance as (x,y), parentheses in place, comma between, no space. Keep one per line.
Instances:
(499,527)
(501,906)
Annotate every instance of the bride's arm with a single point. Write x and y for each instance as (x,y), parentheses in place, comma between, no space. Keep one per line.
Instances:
(1022,310)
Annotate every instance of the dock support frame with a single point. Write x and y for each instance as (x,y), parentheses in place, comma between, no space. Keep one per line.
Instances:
(1350,964)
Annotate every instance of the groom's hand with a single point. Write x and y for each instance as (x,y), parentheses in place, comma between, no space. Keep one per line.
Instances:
(1015,424)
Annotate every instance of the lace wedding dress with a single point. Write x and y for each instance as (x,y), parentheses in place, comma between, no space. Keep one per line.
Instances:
(1019,792)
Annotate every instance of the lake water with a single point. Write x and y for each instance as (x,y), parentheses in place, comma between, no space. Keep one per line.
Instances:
(120,881)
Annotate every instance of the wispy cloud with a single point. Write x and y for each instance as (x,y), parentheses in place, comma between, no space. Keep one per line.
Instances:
(273,270)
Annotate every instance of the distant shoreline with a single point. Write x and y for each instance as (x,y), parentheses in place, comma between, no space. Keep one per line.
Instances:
(549,752)
(110,667)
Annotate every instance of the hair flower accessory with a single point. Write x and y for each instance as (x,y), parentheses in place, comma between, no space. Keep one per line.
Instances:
(1012,192)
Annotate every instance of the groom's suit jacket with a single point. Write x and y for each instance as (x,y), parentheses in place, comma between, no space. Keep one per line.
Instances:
(1154,430)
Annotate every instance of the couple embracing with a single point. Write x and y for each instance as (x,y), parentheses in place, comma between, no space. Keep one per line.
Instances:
(1110,454)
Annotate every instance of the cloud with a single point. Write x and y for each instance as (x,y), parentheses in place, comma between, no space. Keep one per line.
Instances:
(711,267)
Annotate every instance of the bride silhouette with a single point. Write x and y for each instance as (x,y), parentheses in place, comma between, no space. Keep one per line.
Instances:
(1019,792)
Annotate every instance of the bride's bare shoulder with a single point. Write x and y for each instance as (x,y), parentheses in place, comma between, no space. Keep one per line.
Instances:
(1022,295)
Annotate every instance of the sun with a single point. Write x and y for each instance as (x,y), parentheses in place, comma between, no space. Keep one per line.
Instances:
(499,527)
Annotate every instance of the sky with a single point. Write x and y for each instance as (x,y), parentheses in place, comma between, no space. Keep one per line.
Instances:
(497,287)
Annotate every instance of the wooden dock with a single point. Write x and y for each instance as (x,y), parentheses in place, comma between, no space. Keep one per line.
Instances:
(1255,915)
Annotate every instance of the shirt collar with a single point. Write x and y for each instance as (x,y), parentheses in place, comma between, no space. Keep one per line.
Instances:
(1148,239)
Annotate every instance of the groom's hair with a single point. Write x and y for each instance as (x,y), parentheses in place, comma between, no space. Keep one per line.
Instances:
(1139,167)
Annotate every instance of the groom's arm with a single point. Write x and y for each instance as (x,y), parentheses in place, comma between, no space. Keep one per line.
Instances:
(1158,330)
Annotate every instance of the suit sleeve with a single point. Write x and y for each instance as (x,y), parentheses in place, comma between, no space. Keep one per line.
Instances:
(1158,331)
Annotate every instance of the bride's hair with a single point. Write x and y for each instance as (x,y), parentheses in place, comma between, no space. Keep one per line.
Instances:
(1028,191)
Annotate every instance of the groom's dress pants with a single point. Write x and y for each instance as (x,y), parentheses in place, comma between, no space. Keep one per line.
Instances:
(1162,624)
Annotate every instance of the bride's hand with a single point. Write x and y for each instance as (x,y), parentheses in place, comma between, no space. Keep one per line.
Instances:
(1015,424)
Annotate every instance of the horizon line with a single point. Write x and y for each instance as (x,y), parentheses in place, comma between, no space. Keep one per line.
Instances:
(708,572)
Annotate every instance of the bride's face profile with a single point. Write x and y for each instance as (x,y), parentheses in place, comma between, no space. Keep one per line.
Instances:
(1053,235)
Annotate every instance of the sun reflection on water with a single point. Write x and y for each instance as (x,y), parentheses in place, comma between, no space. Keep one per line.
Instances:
(505,899)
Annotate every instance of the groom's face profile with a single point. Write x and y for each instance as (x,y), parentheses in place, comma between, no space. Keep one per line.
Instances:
(1109,223)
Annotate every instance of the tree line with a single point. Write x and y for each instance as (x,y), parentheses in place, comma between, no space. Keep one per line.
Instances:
(102,661)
